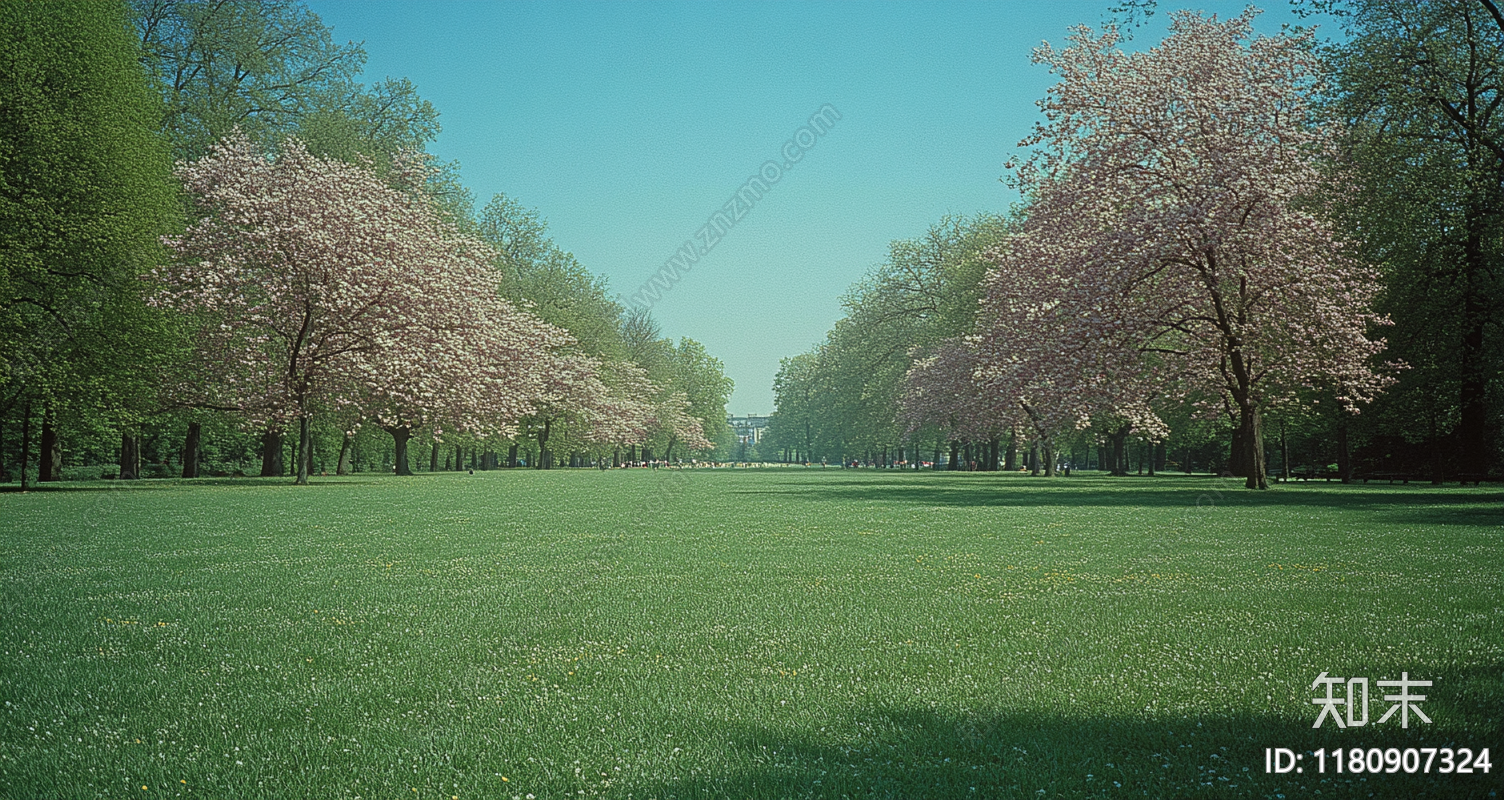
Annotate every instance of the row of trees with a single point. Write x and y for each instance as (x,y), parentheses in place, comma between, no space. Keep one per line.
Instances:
(1217,233)
(304,265)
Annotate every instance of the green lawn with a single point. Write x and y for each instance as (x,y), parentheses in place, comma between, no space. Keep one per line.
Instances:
(740,634)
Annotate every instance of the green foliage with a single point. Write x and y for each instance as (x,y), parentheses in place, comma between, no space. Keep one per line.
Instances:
(272,69)
(558,288)
(841,400)
(1418,88)
(388,118)
(85,191)
(535,272)
(702,379)
(644,344)
(793,425)
(263,66)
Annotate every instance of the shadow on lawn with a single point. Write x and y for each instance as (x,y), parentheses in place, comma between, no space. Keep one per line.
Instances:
(1424,505)
(151,484)
(904,752)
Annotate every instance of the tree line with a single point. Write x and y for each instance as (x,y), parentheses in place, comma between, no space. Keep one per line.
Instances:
(1234,251)
(219,247)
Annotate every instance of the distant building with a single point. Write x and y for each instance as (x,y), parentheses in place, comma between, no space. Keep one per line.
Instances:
(749,429)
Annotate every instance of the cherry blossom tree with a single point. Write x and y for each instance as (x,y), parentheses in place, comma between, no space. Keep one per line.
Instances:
(626,415)
(941,393)
(1045,358)
(571,392)
(1173,230)
(323,289)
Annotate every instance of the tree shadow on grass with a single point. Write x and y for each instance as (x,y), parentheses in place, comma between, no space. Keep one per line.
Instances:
(898,751)
(1399,504)
(157,484)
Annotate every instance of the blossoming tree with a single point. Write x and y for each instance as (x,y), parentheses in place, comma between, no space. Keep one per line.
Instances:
(322,288)
(1174,225)
(941,393)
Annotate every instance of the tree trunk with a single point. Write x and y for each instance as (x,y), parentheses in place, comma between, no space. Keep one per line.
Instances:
(433,457)
(26,447)
(305,450)
(545,457)
(1119,441)
(271,455)
(297,455)
(512,456)
(400,436)
(342,467)
(1284,453)
(1251,434)
(1034,458)
(1438,472)
(543,454)
(50,458)
(1010,459)
(1474,366)
(1237,457)
(130,456)
(1344,452)
(955,455)
(935,463)
(1153,455)
(191,446)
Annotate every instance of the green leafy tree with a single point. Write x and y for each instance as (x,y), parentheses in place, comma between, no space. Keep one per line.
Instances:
(560,290)
(701,378)
(793,425)
(263,66)
(85,190)
(925,292)
(1420,87)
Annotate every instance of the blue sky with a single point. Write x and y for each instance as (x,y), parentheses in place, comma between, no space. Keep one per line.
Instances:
(627,125)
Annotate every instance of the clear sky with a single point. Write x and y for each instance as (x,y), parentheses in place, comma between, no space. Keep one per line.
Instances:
(628,125)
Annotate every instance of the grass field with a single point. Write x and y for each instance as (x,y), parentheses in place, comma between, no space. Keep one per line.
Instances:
(739,634)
